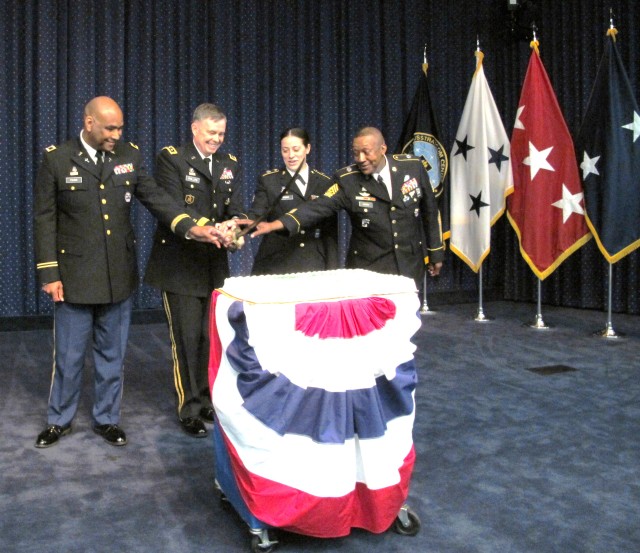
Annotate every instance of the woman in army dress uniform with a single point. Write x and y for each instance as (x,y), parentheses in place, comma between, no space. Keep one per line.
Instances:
(312,249)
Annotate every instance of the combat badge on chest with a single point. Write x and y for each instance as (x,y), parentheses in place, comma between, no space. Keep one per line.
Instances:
(73,177)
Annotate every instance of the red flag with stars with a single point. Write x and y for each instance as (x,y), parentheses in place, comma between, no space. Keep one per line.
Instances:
(547,207)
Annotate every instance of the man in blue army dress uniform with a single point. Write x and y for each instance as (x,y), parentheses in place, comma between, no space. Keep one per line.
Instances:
(202,180)
(395,223)
(86,262)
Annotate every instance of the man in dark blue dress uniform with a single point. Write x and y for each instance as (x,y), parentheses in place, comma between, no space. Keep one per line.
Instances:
(86,262)
(202,180)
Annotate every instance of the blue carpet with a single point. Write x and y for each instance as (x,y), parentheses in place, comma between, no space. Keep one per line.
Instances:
(509,460)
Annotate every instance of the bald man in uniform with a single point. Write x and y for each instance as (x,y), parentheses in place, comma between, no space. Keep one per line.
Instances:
(86,261)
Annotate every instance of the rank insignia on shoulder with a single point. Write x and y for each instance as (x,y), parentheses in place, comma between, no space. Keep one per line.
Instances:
(319,173)
(332,191)
(271,171)
(171,150)
(234,158)
(134,146)
(50,148)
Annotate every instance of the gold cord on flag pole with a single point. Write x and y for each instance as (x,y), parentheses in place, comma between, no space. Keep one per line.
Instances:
(425,64)
(534,43)
(479,57)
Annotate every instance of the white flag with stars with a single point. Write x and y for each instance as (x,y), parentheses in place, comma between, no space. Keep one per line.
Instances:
(481,176)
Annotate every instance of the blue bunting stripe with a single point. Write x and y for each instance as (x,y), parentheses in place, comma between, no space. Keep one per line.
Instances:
(323,416)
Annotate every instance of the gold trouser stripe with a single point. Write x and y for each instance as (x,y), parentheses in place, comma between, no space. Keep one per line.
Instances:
(53,362)
(177,381)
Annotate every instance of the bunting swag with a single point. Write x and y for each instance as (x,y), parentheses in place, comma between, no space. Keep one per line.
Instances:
(421,137)
(546,209)
(610,161)
(325,445)
(481,176)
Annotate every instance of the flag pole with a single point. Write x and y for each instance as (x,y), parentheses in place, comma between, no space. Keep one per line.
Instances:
(480,316)
(609,331)
(424,310)
(539,323)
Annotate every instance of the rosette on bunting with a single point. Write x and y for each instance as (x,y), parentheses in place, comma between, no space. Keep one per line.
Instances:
(314,397)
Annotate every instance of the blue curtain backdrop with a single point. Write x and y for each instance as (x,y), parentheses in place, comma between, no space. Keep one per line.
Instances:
(330,66)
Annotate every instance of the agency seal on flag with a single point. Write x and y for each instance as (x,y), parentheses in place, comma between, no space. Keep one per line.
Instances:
(430,149)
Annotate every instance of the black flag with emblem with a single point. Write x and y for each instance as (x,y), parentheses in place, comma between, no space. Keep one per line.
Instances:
(421,137)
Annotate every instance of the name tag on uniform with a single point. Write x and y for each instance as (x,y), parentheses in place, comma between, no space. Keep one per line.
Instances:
(189,178)
(73,180)
(287,197)
(365,204)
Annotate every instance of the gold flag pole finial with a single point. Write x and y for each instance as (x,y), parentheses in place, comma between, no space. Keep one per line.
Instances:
(534,43)
(425,63)
(611,31)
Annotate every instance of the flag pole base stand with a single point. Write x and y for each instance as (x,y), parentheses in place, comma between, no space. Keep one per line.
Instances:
(608,333)
(424,310)
(481,317)
(538,324)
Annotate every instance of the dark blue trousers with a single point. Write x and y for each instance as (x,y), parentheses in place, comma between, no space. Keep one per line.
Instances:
(106,327)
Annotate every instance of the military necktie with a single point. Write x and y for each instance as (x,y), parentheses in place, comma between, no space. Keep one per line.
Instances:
(100,160)
(384,184)
(301,184)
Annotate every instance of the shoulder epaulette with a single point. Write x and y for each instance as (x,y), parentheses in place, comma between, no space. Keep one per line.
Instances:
(132,144)
(50,148)
(270,172)
(403,157)
(171,150)
(232,157)
(348,170)
(320,173)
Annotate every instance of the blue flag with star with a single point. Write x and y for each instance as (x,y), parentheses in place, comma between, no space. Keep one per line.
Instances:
(609,157)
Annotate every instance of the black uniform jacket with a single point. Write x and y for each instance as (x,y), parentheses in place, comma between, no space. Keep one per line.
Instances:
(83,231)
(387,236)
(185,266)
(314,248)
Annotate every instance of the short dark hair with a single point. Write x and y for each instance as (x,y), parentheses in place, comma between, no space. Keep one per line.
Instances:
(298,132)
(208,111)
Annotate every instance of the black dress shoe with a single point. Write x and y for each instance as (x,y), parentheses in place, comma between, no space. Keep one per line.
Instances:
(51,434)
(206,414)
(194,427)
(111,433)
